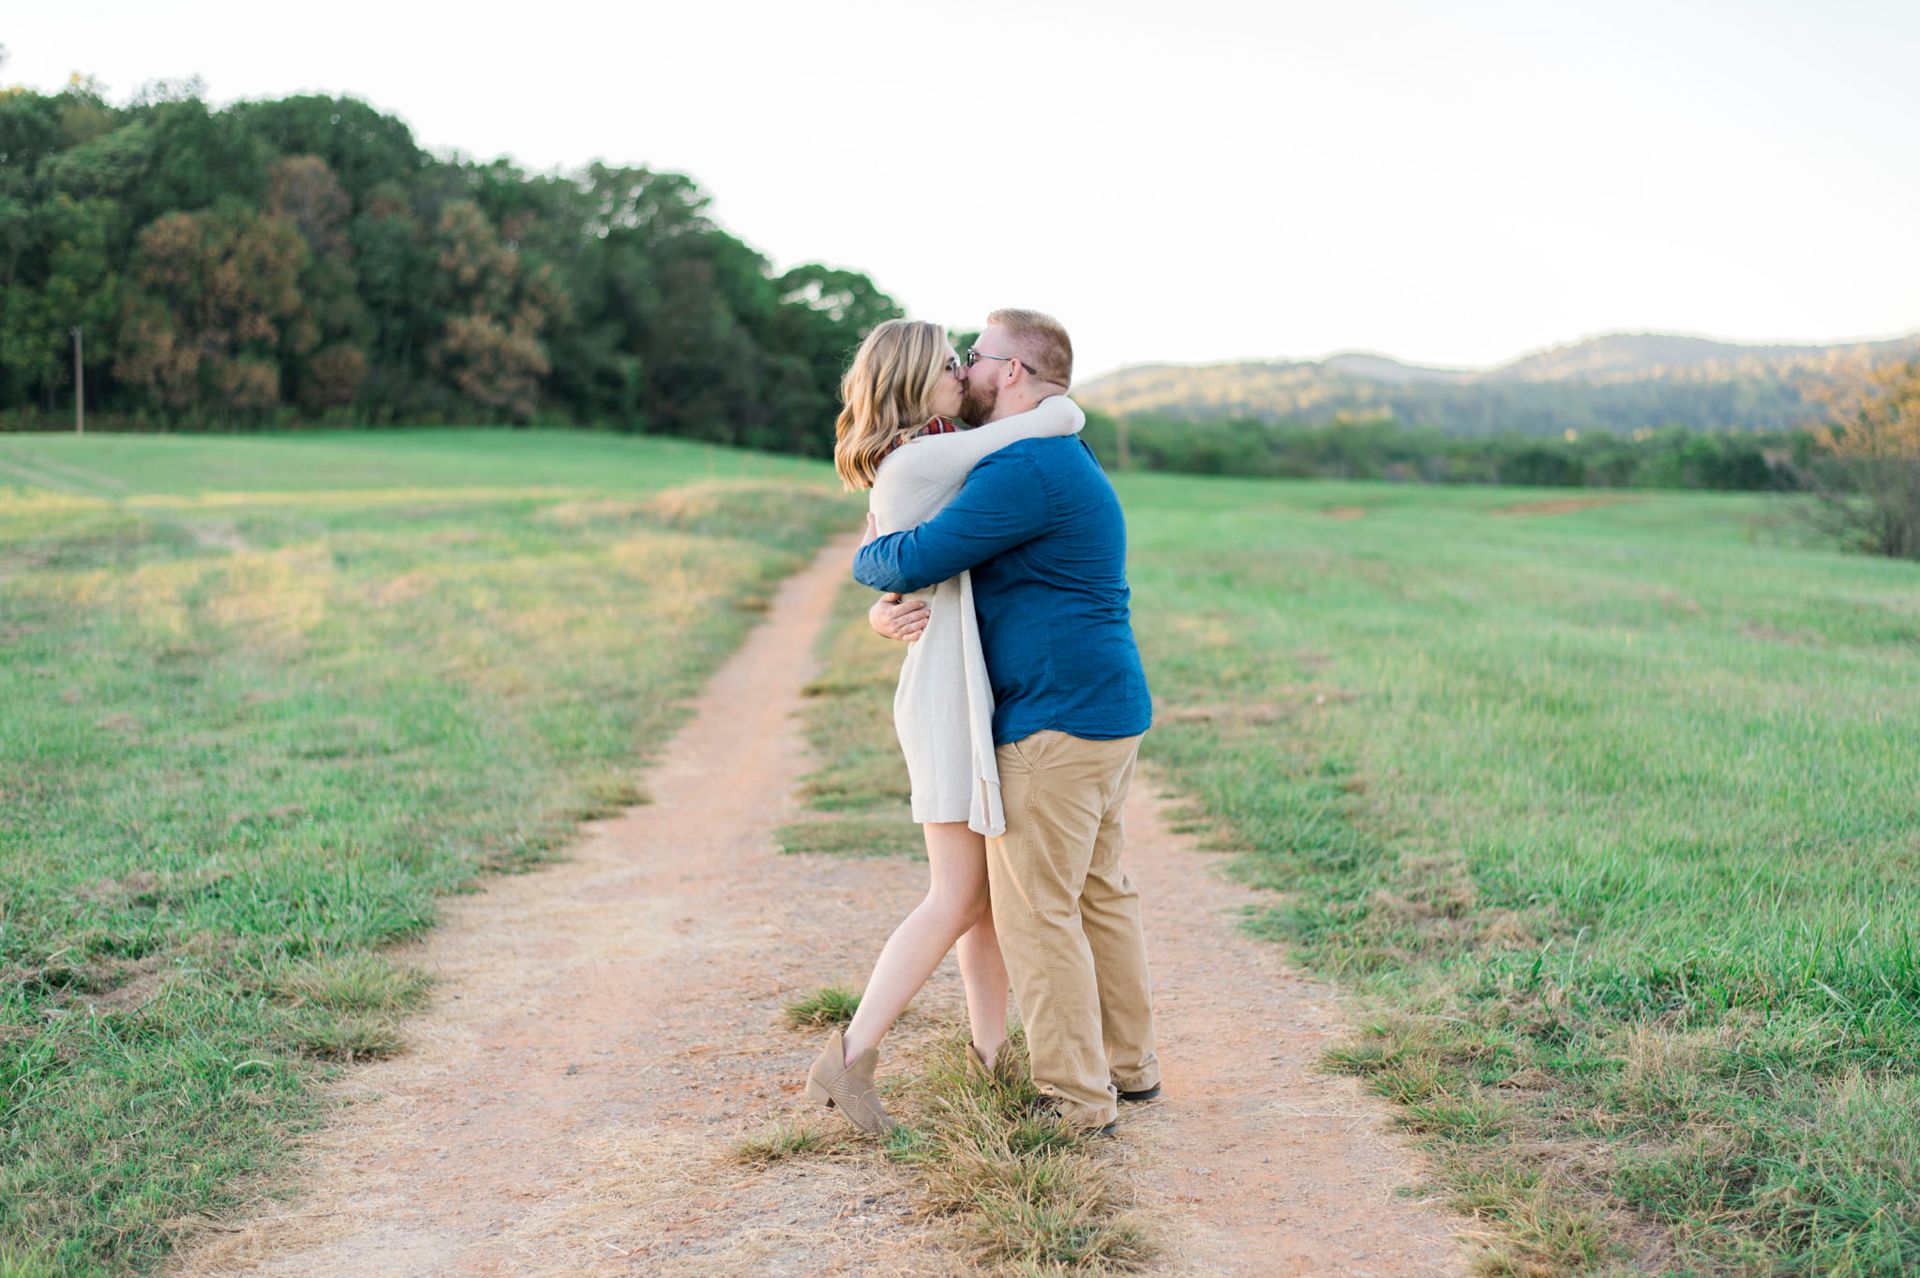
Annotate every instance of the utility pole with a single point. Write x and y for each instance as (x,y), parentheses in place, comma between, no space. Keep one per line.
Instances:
(79,385)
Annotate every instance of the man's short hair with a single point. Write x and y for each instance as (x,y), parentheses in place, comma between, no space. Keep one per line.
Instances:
(1041,343)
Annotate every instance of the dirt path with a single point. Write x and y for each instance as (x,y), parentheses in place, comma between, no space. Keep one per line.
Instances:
(607,1028)
(1253,1163)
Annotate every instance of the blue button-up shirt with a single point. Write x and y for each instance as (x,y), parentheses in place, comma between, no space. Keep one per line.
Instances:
(1040,527)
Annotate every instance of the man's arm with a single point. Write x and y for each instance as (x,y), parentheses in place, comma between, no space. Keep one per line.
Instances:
(1002,505)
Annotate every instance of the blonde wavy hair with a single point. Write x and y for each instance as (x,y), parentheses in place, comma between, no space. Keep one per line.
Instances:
(887,395)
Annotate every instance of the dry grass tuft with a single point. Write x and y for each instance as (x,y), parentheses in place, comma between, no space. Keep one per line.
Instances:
(830,1006)
(354,1037)
(353,981)
(1031,1194)
(783,1141)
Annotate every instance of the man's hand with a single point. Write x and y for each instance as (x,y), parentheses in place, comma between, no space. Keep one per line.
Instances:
(873,529)
(905,620)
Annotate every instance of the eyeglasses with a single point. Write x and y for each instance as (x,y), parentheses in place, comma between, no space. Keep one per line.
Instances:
(975,355)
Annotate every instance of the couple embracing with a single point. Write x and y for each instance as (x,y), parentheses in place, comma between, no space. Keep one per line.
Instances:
(1020,709)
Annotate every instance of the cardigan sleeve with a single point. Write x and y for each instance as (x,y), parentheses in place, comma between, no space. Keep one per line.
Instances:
(955,454)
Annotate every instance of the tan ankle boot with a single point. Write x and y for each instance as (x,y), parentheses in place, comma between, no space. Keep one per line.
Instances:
(848,1086)
(977,1066)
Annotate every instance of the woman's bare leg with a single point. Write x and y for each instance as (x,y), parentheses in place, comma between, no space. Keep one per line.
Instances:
(984,973)
(954,906)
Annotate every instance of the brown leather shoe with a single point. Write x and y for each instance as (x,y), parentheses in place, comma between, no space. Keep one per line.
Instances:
(1048,1107)
(977,1067)
(848,1086)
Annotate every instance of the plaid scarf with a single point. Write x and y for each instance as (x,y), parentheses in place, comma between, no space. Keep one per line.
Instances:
(938,426)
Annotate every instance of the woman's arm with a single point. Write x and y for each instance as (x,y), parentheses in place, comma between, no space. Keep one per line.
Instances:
(960,450)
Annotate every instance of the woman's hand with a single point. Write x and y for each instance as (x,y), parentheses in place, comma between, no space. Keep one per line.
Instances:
(895,618)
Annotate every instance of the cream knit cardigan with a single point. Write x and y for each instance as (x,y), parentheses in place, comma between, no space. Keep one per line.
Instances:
(943,707)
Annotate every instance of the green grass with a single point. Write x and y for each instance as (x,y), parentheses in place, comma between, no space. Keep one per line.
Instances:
(266,699)
(1028,1193)
(832,1005)
(859,789)
(1612,812)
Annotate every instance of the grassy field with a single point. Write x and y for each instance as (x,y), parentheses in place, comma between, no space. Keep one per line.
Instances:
(1610,812)
(264,700)
(1609,809)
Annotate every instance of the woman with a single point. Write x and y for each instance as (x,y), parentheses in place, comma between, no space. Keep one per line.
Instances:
(896,436)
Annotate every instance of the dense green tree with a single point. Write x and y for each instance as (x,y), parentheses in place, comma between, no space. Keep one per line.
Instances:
(199,157)
(302,258)
(78,288)
(29,135)
(365,149)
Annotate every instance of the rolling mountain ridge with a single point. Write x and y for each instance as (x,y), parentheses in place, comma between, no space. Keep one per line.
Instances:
(1618,381)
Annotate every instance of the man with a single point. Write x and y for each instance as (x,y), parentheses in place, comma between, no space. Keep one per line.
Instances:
(1039,526)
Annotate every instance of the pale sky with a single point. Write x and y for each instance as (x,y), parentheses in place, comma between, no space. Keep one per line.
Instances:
(1448,183)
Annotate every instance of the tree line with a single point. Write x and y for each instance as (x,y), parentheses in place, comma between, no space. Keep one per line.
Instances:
(1671,457)
(305,261)
(1857,469)
(1761,397)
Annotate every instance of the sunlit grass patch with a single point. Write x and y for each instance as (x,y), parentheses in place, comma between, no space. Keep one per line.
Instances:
(832,1005)
(842,834)
(157,597)
(758,511)
(273,598)
(422,499)
(49,529)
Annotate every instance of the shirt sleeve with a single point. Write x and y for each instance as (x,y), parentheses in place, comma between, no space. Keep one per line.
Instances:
(1002,505)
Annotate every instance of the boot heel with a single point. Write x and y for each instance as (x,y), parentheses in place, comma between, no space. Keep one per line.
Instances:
(848,1087)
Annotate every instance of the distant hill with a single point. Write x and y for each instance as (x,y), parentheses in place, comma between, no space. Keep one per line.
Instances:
(1620,382)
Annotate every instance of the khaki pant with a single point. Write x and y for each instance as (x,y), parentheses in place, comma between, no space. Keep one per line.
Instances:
(1069,920)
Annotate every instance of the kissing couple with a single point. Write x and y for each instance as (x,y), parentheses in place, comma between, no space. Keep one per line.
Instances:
(1001,549)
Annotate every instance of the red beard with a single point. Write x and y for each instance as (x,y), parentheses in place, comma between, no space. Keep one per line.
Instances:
(977,401)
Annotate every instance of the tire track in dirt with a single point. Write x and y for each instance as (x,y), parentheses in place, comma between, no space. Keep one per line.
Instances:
(607,1027)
